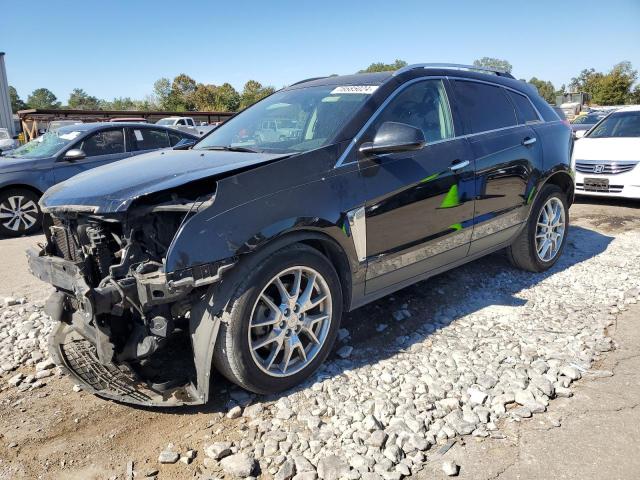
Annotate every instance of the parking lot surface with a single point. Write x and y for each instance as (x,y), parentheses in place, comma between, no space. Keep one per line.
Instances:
(531,375)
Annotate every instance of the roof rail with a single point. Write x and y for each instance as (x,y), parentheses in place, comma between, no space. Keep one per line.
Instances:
(454,66)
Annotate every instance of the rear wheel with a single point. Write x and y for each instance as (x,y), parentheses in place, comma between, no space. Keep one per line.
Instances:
(19,213)
(540,244)
(282,323)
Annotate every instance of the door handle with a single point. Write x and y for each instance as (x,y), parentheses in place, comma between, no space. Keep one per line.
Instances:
(458,165)
(528,141)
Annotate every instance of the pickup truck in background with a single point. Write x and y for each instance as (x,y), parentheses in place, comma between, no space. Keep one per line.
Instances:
(186,124)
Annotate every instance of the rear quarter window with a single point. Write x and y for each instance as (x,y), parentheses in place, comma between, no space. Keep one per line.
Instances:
(483,107)
(149,139)
(524,109)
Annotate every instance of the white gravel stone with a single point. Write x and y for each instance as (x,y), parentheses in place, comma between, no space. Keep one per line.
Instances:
(239,465)
(450,468)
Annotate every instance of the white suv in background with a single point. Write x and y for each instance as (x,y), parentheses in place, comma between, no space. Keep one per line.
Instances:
(606,158)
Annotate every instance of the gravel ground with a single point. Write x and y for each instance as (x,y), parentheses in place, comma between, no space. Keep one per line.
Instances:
(463,354)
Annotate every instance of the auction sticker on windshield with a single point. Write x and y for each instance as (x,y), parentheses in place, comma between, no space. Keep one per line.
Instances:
(70,135)
(368,89)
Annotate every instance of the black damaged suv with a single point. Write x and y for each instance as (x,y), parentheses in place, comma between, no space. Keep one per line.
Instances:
(241,253)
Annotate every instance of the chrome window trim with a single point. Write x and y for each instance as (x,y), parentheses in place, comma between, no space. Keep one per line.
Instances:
(375,114)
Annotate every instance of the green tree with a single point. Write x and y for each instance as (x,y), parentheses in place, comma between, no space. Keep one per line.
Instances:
(634,97)
(162,92)
(496,63)
(612,88)
(80,100)
(205,97)
(252,92)
(228,99)
(224,98)
(16,102)
(384,67)
(587,81)
(545,89)
(182,93)
(615,87)
(42,98)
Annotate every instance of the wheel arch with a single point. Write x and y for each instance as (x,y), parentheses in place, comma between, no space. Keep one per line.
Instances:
(21,186)
(564,180)
(205,320)
(318,240)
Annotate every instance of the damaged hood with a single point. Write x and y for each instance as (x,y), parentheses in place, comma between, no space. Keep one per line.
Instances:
(112,188)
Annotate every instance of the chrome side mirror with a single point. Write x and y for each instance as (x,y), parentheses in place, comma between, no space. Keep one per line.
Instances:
(74,154)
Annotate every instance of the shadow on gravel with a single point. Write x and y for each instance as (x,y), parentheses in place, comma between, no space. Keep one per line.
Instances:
(433,304)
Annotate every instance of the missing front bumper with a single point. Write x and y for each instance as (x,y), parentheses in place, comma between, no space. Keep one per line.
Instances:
(78,357)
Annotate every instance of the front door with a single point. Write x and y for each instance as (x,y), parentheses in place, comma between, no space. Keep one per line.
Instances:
(100,148)
(419,211)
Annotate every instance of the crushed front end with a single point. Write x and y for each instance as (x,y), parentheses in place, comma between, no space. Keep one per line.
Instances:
(123,322)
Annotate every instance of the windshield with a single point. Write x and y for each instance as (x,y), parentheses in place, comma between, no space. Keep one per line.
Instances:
(587,119)
(165,121)
(3,135)
(621,124)
(290,121)
(46,145)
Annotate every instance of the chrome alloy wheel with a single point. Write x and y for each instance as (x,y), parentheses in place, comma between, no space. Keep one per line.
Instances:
(290,321)
(550,229)
(18,213)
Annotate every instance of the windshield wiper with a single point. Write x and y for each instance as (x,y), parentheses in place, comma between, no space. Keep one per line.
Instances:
(229,148)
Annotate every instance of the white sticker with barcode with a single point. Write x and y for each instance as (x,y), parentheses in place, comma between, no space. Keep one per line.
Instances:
(366,89)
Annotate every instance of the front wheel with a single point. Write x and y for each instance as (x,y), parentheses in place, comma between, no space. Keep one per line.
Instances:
(19,213)
(282,323)
(539,246)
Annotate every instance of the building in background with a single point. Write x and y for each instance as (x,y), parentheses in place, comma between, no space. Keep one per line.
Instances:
(6,115)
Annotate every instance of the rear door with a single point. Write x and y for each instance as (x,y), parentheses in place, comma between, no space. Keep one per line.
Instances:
(508,159)
(100,148)
(420,204)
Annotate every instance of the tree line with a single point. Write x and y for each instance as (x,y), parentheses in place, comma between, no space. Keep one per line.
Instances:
(183,93)
(612,88)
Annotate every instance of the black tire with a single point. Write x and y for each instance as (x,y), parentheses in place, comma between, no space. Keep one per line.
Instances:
(522,253)
(17,227)
(232,354)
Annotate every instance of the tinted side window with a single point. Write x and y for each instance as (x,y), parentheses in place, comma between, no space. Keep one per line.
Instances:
(483,107)
(175,137)
(150,139)
(180,122)
(103,143)
(423,105)
(525,110)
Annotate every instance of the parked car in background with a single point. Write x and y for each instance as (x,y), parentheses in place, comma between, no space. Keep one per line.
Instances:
(606,158)
(7,142)
(243,252)
(186,124)
(277,129)
(586,121)
(28,171)
(56,124)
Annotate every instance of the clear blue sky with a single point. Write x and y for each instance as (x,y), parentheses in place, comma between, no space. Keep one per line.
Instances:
(119,48)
